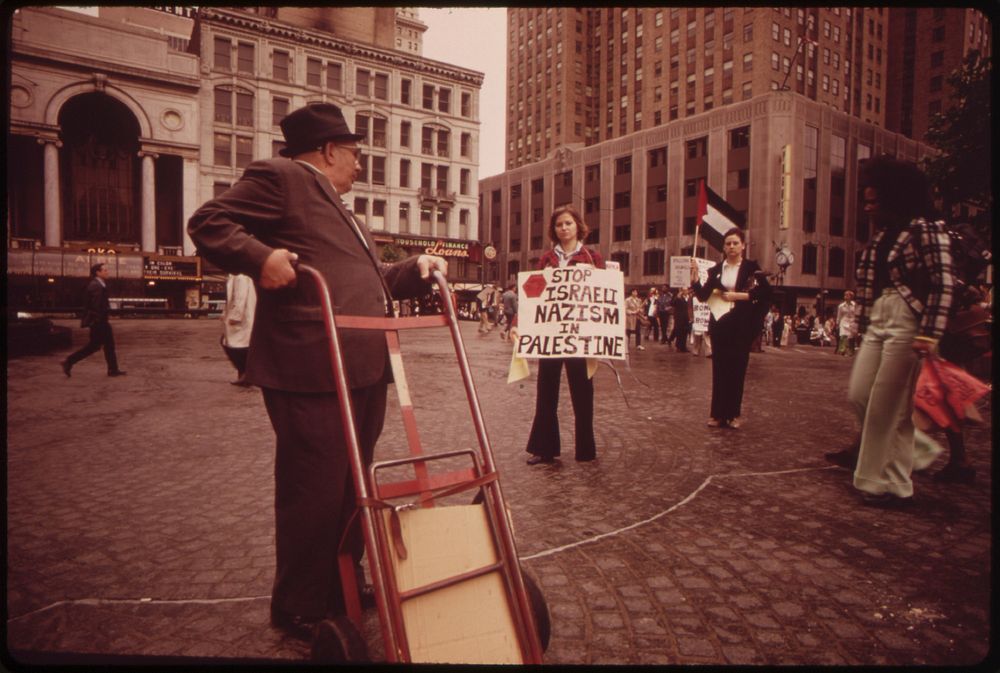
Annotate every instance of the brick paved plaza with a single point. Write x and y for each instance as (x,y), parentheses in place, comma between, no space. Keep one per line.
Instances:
(139,516)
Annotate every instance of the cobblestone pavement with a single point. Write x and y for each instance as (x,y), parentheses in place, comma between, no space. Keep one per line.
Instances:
(139,515)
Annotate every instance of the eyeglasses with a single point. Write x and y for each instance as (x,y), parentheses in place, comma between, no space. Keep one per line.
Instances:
(356,151)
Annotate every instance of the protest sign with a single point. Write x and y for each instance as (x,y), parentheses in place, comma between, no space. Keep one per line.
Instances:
(701,310)
(573,311)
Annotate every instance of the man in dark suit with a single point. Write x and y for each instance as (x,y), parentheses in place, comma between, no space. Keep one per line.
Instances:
(279,212)
(95,316)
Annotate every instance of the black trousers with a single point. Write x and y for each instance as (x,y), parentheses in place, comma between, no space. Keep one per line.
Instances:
(237,356)
(730,357)
(680,336)
(314,494)
(664,319)
(544,437)
(101,336)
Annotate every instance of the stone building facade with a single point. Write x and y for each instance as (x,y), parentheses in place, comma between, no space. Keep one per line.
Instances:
(123,120)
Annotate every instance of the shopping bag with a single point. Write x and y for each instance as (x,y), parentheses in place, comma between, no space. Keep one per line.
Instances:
(944,390)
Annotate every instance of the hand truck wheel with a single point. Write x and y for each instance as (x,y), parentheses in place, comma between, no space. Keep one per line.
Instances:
(539,608)
(338,641)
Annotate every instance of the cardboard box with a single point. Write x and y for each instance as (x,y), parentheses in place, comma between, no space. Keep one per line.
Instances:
(470,622)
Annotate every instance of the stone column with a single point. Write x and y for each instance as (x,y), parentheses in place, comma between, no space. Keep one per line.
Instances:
(189,201)
(148,202)
(53,219)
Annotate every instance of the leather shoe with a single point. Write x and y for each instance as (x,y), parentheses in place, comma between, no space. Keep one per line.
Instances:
(117,372)
(956,474)
(535,460)
(66,367)
(296,626)
(585,459)
(884,500)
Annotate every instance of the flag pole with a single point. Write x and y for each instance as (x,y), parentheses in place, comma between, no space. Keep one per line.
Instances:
(702,202)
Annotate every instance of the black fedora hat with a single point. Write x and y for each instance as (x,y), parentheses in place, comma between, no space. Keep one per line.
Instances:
(309,127)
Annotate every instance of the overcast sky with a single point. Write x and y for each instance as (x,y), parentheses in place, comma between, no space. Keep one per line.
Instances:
(475,38)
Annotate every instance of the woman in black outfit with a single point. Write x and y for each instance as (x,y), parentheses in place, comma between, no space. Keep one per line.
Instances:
(567,231)
(736,280)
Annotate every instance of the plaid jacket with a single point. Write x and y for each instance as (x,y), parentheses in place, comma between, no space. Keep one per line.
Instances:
(920,270)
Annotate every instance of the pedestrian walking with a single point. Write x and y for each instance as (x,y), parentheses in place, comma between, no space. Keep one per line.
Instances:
(237,323)
(568,232)
(282,211)
(847,324)
(904,290)
(633,323)
(737,281)
(96,314)
(509,301)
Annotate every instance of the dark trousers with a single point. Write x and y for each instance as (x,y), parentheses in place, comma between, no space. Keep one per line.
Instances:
(637,331)
(101,336)
(237,356)
(654,327)
(544,437)
(680,336)
(664,319)
(730,357)
(314,494)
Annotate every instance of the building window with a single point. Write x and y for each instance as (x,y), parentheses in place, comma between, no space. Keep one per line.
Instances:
(463,180)
(443,143)
(276,147)
(405,89)
(280,65)
(381,86)
(442,179)
(690,188)
(688,225)
(697,148)
(937,35)
(444,100)
(936,83)
(279,109)
(404,133)
(623,261)
(739,137)
(404,172)
(623,199)
(362,84)
(223,54)
(465,144)
(334,77)
(466,104)
(622,232)
(244,58)
(623,165)
(739,179)
(652,263)
(937,59)
(219,188)
(835,264)
(223,144)
(428,99)
(378,170)
(656,229)
(809,259)
(314,68)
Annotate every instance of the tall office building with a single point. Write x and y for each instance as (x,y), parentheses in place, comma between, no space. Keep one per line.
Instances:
(585,75)
(925,46)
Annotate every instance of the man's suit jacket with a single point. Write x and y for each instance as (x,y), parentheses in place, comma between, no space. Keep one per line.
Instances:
(747,317)
(96,306)
(279,203)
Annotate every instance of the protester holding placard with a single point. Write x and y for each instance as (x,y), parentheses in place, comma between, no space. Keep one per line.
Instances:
(567,231)
(741,295)
(633,312)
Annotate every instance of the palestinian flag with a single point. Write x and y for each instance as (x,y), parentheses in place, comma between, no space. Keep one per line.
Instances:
(715,216)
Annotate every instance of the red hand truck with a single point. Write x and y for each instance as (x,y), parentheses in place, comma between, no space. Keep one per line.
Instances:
(429,560)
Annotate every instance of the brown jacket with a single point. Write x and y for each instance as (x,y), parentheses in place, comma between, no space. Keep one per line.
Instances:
(279,203)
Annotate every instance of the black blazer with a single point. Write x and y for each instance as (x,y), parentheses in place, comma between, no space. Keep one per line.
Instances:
(746,316)
(96,306)
(279,203)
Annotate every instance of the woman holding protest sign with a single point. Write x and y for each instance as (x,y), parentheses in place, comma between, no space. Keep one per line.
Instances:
(567,231)
(742,295)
